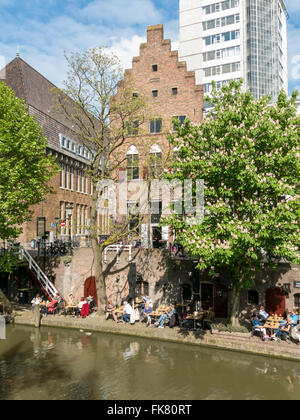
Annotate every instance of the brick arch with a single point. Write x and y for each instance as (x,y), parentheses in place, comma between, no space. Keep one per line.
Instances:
(90,288)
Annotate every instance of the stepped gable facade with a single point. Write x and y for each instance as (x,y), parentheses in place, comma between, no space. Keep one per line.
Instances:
(169,91)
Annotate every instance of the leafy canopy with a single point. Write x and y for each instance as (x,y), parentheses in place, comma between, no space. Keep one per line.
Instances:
(25,169)
(247,153)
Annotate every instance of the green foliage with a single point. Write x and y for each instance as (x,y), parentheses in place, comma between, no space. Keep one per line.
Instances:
(25,169)
(247,154)
(9,262)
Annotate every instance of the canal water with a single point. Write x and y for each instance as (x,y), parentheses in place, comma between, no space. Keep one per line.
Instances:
(64,364)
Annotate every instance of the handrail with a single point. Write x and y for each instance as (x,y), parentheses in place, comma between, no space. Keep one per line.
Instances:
(46,284)
(118,248)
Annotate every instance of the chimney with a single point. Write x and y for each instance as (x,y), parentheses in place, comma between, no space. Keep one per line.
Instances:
(155,34)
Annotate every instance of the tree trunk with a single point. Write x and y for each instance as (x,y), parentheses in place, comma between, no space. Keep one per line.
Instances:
(235,308)
(7,306)
(99,277)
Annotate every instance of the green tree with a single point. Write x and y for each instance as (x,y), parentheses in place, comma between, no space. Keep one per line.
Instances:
(25,170)
(247,154)
(98,100)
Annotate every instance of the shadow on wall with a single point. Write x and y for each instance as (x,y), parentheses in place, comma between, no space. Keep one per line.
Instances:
(268,292)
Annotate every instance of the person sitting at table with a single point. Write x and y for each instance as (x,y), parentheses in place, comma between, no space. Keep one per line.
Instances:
(162,318)
(258,326)
(91,302)
(291,321)
(70,300)
(110,311)
(84,308)
(187,323)
(293,318)
(147,311)
(263,315)
(283,329)
(127,311)
(208,319)
(145,299)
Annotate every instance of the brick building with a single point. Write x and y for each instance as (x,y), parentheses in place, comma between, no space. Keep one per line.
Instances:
(71,203)
(169,91)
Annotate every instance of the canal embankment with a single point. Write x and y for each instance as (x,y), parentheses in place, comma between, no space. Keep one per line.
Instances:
(226,341)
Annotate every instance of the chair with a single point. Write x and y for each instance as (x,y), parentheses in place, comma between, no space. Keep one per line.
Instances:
(53,308)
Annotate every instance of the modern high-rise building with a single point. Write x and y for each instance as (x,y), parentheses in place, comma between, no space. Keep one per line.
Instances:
(233,39)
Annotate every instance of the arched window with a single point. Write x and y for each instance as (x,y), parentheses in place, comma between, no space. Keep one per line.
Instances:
(132,163)
(155,161)
(253,297)
(297,300)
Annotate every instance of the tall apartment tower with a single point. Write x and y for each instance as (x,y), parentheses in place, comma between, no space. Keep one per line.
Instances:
(233,39)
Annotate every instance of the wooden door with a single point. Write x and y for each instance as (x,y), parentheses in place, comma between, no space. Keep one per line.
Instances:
(275,301)
(221,301)
(90,288)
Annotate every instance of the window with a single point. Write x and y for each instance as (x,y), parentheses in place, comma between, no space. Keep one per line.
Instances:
(253,297)
(132,163)
(154,67)
(133,128)
(181,119)
(156,211)
(61,175)
(66,176)
(155,161)
(174,91)
(141,287)
(71,178)
(155,93)
(156,125)
(297,300)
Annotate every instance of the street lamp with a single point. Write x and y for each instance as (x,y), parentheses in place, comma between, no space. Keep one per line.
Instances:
(69,212)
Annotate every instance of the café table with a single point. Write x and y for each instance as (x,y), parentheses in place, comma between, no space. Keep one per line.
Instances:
(119,311)
(71,309)
(196,317)
(273,322)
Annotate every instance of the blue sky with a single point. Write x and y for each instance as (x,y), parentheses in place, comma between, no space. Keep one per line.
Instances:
(44,29)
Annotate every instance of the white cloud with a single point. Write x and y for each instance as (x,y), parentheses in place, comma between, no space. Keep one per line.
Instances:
(117,13)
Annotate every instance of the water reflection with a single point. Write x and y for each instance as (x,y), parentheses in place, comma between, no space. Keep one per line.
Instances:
(64,364)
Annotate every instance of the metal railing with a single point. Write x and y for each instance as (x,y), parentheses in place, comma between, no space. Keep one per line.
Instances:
(47,286)
(118,249)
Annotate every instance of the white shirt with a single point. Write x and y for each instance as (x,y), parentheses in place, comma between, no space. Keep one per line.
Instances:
(128,309)
(36,301)
(81,303)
